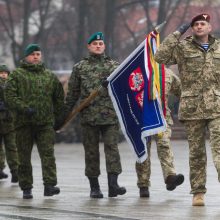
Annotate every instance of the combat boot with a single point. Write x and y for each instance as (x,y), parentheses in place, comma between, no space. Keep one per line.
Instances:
(95,191)
(172,181)
(51,190)
(27,194)
(3,175)
(113,188)
(198,199)
(14,176)
(144,192)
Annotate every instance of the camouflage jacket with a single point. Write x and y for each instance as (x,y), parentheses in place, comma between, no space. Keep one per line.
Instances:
(6,116)
(172,86)
(32,85)
(86,76)
(199,74)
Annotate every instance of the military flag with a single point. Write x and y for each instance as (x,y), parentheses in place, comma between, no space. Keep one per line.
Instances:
(136,89)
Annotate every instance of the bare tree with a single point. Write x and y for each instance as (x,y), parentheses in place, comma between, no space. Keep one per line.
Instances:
(17,23)
(109,25)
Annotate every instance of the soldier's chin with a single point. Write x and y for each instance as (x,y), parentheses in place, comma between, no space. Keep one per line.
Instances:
(36,61)
(98,52)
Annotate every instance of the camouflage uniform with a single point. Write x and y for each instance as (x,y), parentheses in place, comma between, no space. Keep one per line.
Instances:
(7,134)
(2,157)
(32,85)
(164,150)
(200,99)
(99,117)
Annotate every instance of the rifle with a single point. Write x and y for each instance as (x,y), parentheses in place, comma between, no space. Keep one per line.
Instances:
(79,108)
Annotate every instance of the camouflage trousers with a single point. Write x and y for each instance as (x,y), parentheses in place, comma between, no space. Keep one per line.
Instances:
(44,137)
(2,157)
(165,155)
(196,134)
(91,139)
(10,151)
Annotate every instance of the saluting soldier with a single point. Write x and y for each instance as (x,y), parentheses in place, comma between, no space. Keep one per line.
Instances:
(98,118)
(37,96)
(198,59)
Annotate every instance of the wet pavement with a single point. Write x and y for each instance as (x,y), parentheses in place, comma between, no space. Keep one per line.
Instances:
(74,201)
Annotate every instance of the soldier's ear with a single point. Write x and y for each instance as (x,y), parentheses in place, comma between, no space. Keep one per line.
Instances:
(88,46)
(210,27)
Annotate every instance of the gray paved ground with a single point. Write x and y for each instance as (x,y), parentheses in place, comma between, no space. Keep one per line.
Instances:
(74,201)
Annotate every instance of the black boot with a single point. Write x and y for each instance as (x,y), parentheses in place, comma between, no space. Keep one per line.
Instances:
(113,188)
(14,176)
(51,190)
(144,192)
(95,188)
(27,194)
(172,181)
(3,175)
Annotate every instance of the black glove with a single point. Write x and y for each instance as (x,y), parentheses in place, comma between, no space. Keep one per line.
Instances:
(58,125)
(105,83)
(183,28)
(60,120)
(30,112)
(2,107)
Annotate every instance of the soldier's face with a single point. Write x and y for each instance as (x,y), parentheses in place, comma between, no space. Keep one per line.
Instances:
(96,47)
(4,75)
(34,58)
(201,28)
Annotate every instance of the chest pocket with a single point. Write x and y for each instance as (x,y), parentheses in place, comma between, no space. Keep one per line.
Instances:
(216,61)
(193,61)
(189,101)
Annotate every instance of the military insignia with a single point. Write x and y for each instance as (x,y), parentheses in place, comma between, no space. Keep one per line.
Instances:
(139,98)
(205,16)
(98,37)
(136,80)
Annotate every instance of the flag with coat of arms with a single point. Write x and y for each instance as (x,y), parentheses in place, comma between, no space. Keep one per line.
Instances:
(136,88)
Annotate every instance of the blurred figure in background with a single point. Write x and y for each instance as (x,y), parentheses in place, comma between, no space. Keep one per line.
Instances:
(7,131)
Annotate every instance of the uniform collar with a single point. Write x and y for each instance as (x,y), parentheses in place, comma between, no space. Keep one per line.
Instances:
(32,67)
(95,57)
(212,42)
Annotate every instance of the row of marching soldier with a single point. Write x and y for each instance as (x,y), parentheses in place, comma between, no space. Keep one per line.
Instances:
(35,98)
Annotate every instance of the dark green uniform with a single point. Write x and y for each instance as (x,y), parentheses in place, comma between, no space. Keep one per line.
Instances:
(7,133)
(34,86)
(99,117)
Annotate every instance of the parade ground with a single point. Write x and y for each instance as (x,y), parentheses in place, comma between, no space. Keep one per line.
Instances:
(74,202)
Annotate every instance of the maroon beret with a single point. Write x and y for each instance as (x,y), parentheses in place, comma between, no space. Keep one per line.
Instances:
(201,17)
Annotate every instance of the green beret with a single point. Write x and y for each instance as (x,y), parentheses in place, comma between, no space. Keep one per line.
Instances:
(31,48)
(95,36)
(4,68)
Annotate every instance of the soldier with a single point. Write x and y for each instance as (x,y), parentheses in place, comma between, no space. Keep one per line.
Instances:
(37,96)
(98,118)
(198,59)
(7,132)
(3,175)
(164,150)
